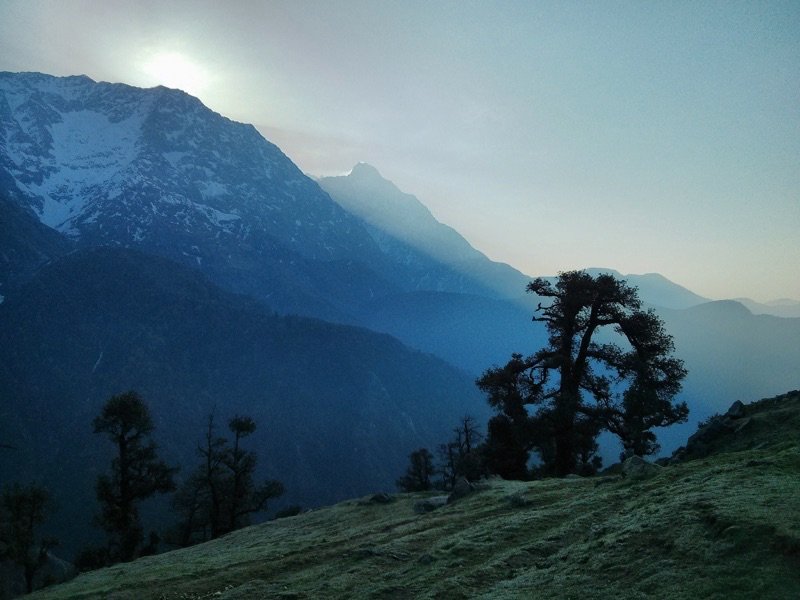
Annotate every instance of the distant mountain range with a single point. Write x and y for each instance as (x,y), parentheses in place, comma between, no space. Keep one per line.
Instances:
(779,308)
(148,242)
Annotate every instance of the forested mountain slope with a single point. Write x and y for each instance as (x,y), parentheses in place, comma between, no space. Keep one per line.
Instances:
(338,408)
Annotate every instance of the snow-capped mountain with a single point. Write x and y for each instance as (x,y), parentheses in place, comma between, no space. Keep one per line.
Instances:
(155,169)
(85,154)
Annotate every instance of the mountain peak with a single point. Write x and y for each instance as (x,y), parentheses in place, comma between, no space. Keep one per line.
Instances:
(400,221)
(365,175)
(365,170)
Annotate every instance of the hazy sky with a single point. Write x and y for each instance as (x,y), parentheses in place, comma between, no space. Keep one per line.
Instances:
(643,136)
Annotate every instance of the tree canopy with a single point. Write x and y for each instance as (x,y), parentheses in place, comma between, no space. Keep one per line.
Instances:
(608,365)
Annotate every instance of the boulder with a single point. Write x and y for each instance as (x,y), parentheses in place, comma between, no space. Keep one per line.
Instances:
(381,498)
(736,411)
(461,489)
(427,505)
(638,468)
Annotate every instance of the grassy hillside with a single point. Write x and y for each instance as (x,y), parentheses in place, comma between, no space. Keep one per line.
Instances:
(723,526)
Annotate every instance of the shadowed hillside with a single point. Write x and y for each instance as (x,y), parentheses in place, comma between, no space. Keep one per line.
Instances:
(339,408)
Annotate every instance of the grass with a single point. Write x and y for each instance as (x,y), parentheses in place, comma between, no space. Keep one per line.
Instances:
(726,526)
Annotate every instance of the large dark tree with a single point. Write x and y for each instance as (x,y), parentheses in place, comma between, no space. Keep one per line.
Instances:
(24,508)
(136,473)
(608,365)
(507,447)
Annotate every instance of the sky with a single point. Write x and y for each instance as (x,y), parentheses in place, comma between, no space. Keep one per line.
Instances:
(640,136)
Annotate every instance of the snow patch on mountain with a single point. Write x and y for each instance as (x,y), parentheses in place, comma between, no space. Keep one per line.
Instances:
(87,151)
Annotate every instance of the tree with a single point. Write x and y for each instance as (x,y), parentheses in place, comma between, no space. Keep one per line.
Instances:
(461,456)
(420,470)
(221,494)
(199,499)
(25,508)
(136,473)
(507,448)
(577,386)
(243,496)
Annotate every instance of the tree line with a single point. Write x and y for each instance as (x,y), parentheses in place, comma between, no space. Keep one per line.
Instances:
(219,496)
(608,366)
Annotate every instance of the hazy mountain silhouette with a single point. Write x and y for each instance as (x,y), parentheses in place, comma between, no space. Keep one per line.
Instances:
(657,290)
(405,229)
(779,308)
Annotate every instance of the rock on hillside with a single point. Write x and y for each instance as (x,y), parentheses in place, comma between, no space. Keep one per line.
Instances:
(764,424)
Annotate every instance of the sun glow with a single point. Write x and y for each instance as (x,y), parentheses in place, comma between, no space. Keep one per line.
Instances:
(175,70)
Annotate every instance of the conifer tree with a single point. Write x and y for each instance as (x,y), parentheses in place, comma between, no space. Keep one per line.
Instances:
(136,473)
(420,470)
(221,495)
(243,496)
